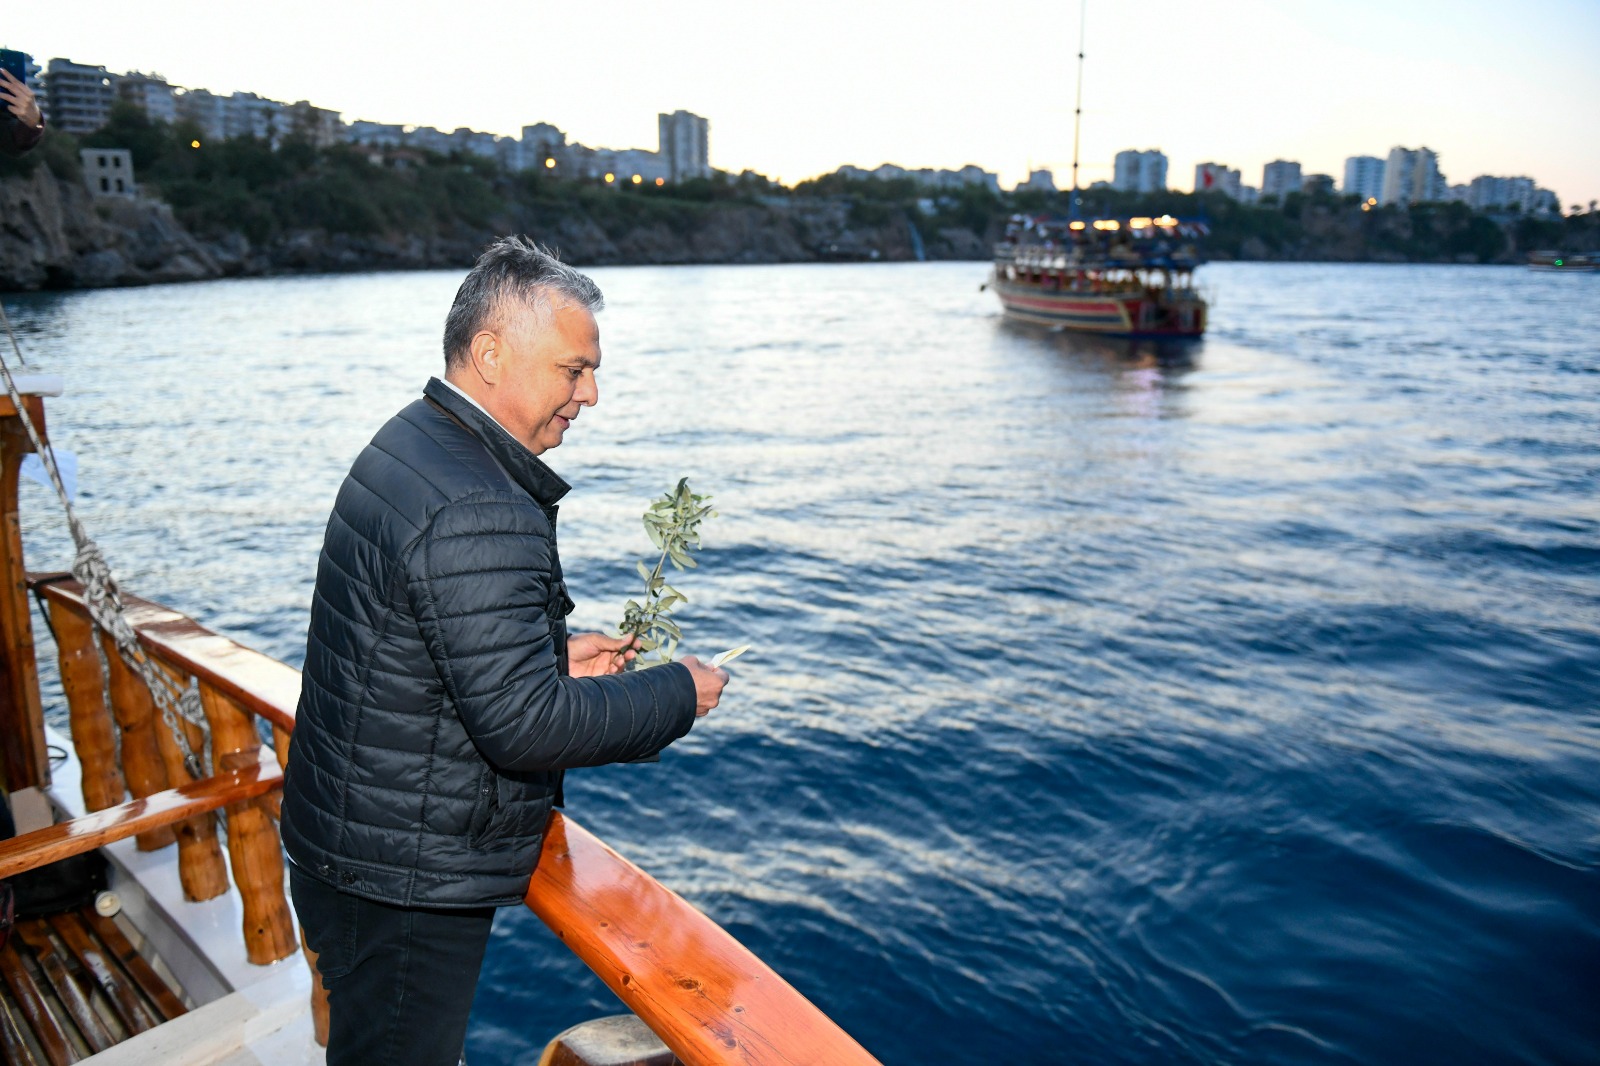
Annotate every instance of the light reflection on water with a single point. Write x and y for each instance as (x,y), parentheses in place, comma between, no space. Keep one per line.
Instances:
(1231,700)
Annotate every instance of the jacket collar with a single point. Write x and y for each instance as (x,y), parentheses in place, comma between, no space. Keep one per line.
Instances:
(525,468)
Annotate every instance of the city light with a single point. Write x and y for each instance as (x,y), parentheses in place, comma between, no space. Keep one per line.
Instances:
(610,178)
(661,181)
(1166,220)
(549,164)
(1140,223)
(1107,224)
(194,144)
(637,179)
(1075,225)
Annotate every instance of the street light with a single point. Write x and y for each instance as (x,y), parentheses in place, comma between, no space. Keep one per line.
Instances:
(637,179)
(549,164)
(610,178)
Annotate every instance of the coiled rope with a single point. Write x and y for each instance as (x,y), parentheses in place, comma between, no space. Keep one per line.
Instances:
(104,599)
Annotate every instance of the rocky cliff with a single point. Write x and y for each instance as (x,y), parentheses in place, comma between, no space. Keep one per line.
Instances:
(54,234)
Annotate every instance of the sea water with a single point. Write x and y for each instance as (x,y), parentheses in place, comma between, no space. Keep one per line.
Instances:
(1232,701)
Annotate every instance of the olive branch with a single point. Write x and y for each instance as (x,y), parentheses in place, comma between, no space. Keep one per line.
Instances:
(673,523)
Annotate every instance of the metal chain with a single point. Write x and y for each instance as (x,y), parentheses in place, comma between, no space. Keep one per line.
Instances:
(104,599)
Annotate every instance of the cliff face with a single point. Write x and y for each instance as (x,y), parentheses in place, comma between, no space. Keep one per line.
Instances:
(53,234)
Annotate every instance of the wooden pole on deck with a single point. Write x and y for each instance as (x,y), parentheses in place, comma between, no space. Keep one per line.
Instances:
(24,761)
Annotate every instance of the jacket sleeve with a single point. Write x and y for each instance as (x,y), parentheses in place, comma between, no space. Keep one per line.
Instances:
(478,580)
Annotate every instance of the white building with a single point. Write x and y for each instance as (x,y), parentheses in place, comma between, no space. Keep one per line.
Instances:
(1280,178)
(375,134)
(926,177)
(79,97)
(255,116)
(685,145)
(1140,171)
(108,171)
(150,93)
(207,110)
(1038,181)
(1488,193)
(429,139)
(1217,177)
(1411,176)
(1363,177)
(319,125)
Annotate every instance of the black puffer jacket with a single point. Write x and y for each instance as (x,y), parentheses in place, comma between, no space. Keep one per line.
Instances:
(435,716)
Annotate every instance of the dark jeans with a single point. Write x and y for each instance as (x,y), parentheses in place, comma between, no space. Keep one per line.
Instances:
(400,979)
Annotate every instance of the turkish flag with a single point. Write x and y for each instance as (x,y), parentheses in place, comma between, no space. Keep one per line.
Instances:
(1207,179)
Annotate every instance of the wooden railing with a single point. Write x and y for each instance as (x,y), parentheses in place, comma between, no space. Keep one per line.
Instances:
(707,996)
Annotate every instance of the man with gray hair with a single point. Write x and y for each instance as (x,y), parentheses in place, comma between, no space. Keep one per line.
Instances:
(442,698)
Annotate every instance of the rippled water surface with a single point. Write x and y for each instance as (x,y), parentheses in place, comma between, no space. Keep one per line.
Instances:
(1231,703)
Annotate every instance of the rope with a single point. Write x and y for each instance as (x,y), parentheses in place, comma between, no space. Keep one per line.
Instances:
(104,599)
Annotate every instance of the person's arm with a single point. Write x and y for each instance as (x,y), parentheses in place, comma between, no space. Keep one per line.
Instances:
(19,101)
(478,581)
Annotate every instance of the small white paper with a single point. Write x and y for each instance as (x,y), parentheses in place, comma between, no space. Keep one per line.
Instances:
(66,463)
(729,655)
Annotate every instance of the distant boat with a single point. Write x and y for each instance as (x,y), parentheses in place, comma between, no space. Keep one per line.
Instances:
(1127,277)
(1582,263)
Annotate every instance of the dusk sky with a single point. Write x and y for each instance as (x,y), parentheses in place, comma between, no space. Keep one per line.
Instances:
(794,90)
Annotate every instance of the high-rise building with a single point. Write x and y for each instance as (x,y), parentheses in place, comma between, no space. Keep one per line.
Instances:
(1280,178)
(1411,176)
(1140,171)
(1488,193)
(319,125)
(151,94)
(1317,185)
(79,96)
(685,145)
(207,110)
(1217,177)
(375,134)
(1038,181)
(249,115)
(1363,177)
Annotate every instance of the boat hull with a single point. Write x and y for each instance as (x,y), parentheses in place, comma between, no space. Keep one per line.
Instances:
(1113,314)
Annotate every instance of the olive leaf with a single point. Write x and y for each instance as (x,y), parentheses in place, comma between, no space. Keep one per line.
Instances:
(673,525)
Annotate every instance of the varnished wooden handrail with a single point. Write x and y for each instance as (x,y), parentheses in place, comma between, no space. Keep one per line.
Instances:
(261,683)
(44,846)
(707,996)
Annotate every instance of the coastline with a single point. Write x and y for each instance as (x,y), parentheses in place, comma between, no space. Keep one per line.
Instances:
(55,236)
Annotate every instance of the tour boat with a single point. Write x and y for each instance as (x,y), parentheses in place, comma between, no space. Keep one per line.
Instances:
(1126,277)
(1568,264)
(186,954)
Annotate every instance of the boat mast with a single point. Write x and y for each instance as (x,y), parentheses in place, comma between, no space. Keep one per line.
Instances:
(1077,114)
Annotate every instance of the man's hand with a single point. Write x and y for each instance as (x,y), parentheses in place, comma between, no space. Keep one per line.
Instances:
(708,682)
(595,654)
(19,99)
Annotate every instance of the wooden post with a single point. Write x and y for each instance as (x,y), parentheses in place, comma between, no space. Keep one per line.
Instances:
(24,762)
(92,731)
(253,843)
(200,867)
(281,738)
(141,758)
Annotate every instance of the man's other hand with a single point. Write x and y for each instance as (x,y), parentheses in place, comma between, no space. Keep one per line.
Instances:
(19,99)
(708,682)
(595,654)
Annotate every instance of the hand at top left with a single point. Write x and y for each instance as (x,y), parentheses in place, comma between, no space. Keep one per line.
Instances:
(594,654)
(19,99)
